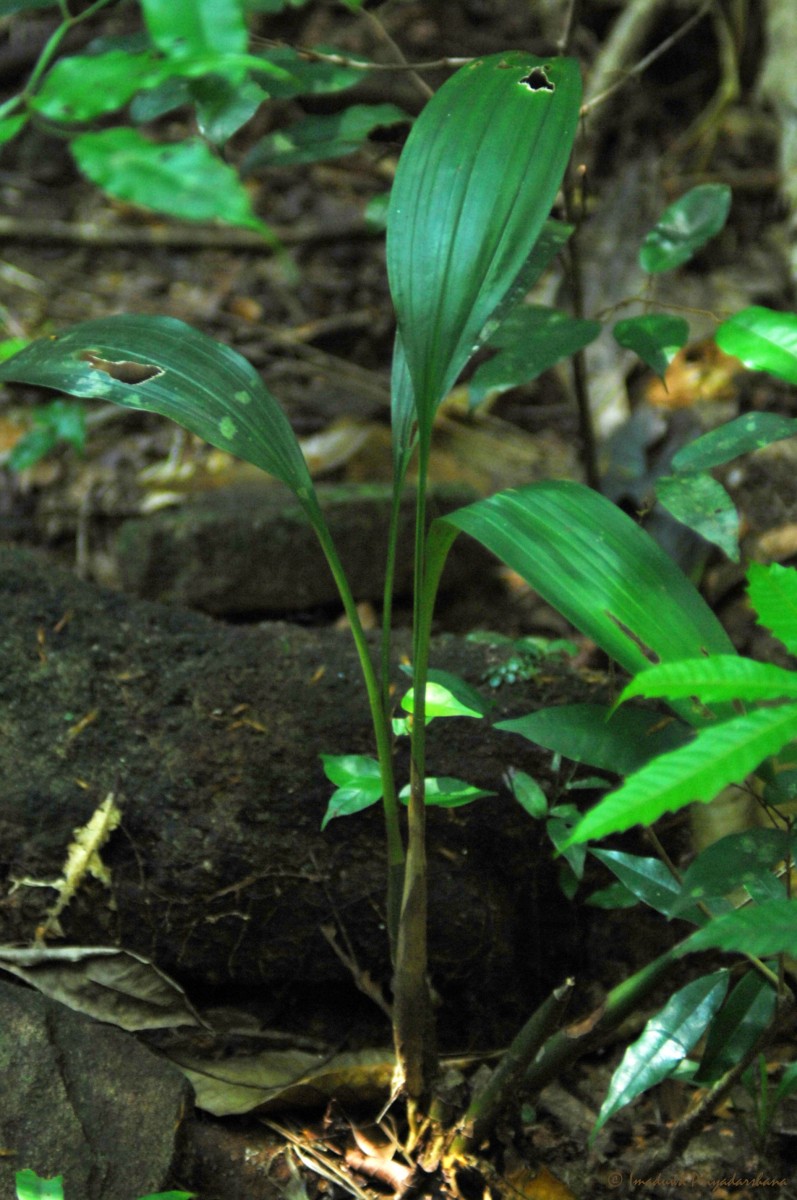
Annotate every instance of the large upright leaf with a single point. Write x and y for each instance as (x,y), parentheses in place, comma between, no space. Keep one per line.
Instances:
(600,570)
(162,365)
(474,186)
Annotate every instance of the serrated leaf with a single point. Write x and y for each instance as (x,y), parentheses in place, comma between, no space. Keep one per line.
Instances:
(719,677)
(322,137)
(182,374)
(656,338)
(596,567)
(666,1040)
(773,594)
(685,226)
(765,340)
(493,142)
(751,432)
(620,741)
(764,929)
(529,341)
(719,755)
(737,1026)
(183,179)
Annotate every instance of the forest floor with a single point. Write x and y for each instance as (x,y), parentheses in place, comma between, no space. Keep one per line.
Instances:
(317,323)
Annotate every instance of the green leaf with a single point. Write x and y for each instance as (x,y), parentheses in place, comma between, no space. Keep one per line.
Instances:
(787,1085)
(447,792)
(701,503)
(666,1040)
(183,179)
(773,595)
(449,696)
(620,741)
(10,127)
(81,87)
(222,107)
(720,677)
(56,422)
(719,755)
(737,1026)
(11,6)
(753,431)
(302,77)
(738,860)
(474,186)
(765,929)
(203,26)
(315,138)
(646,878)
(656,338)
(685,226)
(359,783)
(527,792)
(763,339)
(595,566)
(530,340)
(30,1186)
(181,374)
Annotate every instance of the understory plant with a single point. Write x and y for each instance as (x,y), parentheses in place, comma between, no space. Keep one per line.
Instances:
(468,232)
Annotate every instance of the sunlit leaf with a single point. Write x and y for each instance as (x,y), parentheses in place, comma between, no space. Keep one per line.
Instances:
(752,431)
(701,503)
(30,1186)
(773,594)
(718,677)
(183,30)
(718,755)
(666,1040)
(763,929)
(449,696)
(184,179)
(763,339)
(359,784)
(654,337)
(685,226)
(158,364)
(446,792)
(621,741)
(492,145)
(115,77)
(320,137)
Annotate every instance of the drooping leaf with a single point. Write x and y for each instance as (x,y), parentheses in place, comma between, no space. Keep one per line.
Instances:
(493,142)
(737,1026)
(685,226)
(763,929)
(666,1040)
(529,341)
(753,431)
(444,791)
(594,565)
(734,861)
(773,594)
(621,741)
(718,755)
(321,137)
(763,339)
(719,677)
(184,179)
(701,503)
(159,364)
(656,338)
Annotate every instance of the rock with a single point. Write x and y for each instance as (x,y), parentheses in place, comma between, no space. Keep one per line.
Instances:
(209,738)
(85,1101)
(246,550)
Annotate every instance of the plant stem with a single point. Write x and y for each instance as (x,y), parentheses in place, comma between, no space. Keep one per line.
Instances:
(384,744)
(412,1009)
(485,1109)
(55,39)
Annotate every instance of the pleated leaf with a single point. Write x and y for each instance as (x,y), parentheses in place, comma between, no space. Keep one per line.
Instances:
(161,365)
(773,594)
(594,565)
(474,186)
(720,754)
(764,929)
